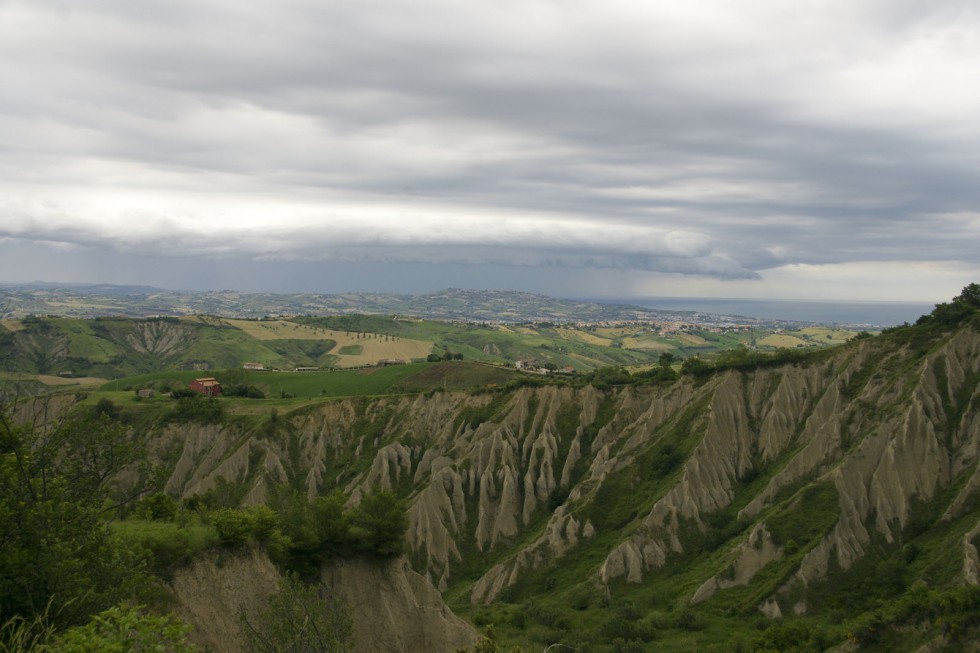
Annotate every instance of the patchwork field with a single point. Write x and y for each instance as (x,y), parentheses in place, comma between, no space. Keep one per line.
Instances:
(48,379)
(649,343)
(826,335)
(691,339)
(352,349)
(782,340)
(577,335)
(114,347)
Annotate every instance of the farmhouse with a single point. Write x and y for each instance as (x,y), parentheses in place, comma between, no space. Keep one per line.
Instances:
(385,362)
(253,366)
(206,386)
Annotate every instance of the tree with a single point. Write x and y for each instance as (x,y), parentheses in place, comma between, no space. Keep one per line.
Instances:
(318,529)
(57,556)
(695,366)
(961,308)
(378,524)
(970,295)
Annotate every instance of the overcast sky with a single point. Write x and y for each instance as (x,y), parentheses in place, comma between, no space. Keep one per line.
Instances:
(824,149)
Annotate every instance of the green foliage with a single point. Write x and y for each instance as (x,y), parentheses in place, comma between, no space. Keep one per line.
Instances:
(125,630)
(793,635)
(378,524)
(609,376)
(487,643)
(197,408)
(236,526)
(809,516)
(300,534)
(56,555)
(663,373)
(231,377)
(318,529)
(20,635)
(105,408)
(625,493)
(949,613)
(744,360)
(165,545)
(298,619)
(970,295)
(695,367)
(474,415)
(160,506)
(963,307)
(242,390)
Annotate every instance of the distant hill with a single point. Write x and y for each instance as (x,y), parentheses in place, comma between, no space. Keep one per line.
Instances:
(506,306)
(114,347)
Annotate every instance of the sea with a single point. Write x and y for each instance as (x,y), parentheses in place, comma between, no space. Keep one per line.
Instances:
(852,313)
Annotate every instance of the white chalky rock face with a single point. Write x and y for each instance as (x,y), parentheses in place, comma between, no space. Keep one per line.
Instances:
(482,470)
(392,607)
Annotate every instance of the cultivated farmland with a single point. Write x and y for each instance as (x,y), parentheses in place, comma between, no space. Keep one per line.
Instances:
(352,349)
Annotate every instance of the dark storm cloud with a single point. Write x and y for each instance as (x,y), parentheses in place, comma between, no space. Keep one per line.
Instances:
(703,139)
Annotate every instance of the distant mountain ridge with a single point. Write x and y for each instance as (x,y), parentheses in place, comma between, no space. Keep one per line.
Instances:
(103,300)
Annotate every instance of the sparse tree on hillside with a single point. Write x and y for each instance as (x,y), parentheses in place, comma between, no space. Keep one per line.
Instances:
(299,618)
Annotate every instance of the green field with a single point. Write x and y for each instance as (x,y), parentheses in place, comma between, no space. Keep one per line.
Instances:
(123,347)
(370,381)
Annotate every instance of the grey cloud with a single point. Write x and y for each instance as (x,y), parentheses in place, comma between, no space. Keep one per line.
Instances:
(509,241)
(660,119)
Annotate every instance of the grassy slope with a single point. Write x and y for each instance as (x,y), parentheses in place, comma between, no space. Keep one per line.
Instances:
(116,347)
(396,379)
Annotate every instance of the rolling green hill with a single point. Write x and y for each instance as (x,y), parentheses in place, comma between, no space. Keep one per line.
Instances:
(118,347)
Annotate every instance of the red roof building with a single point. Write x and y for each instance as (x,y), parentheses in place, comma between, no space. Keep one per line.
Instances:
(208,386)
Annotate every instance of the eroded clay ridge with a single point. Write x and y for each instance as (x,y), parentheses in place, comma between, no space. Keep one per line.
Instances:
(524,473)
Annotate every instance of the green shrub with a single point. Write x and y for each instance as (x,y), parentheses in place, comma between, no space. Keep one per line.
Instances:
(19,634)
(689,620)
(318,529)
(196,408)
(126,630)
(236,526)
(167,545)
(159,506)
(378,524)
(243,390)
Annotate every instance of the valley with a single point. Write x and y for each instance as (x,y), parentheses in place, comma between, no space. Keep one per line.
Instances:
(807,499)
